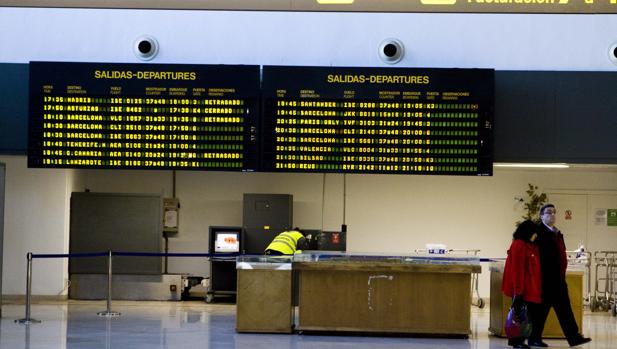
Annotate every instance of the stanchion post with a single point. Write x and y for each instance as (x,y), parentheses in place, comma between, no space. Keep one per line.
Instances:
(108,312)
(28,320)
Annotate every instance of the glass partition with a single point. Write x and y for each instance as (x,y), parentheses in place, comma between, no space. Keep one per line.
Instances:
(247,262)
(414,258)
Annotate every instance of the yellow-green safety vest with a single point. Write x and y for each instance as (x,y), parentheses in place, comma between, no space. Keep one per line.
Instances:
(285,242)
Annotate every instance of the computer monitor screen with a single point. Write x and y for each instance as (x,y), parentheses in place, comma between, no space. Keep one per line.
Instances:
(332,241)
(226,242)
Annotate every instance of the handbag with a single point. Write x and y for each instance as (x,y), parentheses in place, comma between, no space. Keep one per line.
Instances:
(518,323)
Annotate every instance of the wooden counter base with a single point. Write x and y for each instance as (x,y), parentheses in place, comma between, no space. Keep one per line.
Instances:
(385,297)
(264,301)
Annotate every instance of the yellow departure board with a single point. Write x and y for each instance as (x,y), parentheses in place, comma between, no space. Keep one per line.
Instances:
(143,116)
(377,120)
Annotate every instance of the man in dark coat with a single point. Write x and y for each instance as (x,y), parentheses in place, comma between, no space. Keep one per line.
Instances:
(553,264)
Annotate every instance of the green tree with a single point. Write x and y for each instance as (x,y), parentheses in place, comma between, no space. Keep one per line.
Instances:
(533,204)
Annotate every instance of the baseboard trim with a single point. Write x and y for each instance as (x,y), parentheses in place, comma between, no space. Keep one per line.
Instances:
(20,298)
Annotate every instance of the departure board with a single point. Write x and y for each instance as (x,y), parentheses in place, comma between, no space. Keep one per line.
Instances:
(377,120)
(143,116)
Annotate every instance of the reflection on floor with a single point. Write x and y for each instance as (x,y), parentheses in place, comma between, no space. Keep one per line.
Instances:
(151,325)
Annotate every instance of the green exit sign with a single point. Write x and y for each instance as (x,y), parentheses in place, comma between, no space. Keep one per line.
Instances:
(611,217)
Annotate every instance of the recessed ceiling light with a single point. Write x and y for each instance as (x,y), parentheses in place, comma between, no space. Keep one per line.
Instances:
(532,165)
(335,2)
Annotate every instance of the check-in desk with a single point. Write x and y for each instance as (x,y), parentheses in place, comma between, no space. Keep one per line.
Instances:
(402,294)
(500,303)
(264,294)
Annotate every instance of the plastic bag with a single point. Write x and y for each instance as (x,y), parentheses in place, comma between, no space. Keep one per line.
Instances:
(517,323)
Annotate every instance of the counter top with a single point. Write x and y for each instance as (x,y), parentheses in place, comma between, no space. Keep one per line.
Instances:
(391,266)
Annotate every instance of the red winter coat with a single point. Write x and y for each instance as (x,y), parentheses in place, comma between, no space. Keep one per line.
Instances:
(522,275)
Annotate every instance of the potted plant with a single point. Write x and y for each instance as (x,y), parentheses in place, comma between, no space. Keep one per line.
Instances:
(532,205)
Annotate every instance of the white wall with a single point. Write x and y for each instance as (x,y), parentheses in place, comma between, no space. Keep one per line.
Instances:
(384,213)
(215,199)
(515,42)
(35,221)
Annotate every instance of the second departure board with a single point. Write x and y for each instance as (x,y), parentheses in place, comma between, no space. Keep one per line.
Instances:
(143,116)
(378,120)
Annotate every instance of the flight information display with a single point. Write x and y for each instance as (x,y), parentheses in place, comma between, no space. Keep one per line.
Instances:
(143,116)
(377,120)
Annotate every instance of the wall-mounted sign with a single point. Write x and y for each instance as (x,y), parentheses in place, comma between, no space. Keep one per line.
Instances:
(313,119)
(600,217)
(461,6)
(377,120)
(611,217)
(137,116)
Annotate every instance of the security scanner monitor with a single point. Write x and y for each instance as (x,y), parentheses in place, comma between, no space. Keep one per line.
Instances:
(226,242)
(223,241)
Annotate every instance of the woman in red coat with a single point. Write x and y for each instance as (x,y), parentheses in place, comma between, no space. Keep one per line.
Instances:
(522,279)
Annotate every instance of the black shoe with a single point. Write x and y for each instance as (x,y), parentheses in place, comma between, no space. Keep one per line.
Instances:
(580,340)
(522,345)
(537,344)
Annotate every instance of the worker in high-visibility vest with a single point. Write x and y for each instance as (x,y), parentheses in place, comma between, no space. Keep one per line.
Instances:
(288,242)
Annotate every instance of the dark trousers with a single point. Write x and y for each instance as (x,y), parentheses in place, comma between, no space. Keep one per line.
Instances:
(560,302)
(516,341)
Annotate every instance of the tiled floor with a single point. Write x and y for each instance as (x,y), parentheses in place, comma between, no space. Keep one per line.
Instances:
(186,325)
